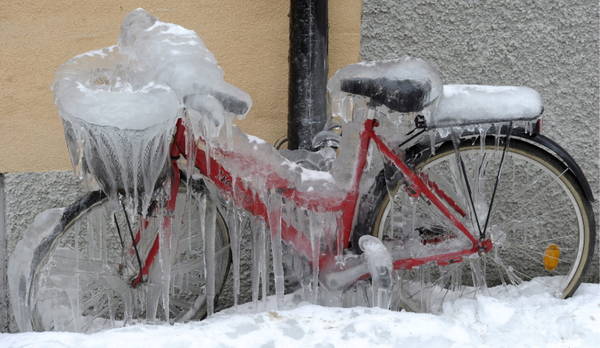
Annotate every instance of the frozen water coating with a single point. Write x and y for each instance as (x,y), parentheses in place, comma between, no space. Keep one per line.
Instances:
(98,87)
(23,260)
(173,55)
(255,160)
(119,104)
(177,57)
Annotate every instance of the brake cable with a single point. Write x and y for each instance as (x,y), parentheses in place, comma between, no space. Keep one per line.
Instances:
(118,231)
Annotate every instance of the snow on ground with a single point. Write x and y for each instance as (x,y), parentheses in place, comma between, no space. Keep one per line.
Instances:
(533,318)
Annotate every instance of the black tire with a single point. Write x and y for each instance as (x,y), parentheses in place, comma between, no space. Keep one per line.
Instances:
(53,271)
(509,255)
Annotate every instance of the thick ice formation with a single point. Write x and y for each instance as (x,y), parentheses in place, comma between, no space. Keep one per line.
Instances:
(119,104)
(100,88)
(254,160)
(21,263)
(174,56)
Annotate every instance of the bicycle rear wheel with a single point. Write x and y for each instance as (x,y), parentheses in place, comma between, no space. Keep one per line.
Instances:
(541,224)
(83,280)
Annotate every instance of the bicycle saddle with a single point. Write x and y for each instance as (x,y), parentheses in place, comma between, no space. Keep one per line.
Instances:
(405,84)
(402,95)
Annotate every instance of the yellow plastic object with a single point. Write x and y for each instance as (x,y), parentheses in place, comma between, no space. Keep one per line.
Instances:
(551,257)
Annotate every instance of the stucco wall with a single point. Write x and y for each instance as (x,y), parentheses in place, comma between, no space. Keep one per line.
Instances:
(248,38)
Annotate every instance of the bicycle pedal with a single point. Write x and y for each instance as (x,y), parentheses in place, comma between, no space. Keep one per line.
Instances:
(434,234)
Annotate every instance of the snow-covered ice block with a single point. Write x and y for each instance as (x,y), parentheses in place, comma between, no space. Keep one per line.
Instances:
(100,88)
(175,56)
(475,104)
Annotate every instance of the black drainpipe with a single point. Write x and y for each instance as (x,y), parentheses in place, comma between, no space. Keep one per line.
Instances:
(307,103)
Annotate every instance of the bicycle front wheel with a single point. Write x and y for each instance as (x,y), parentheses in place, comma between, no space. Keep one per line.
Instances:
(541,225)
(83,281)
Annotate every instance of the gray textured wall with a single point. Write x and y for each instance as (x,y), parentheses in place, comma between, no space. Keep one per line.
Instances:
(550,45)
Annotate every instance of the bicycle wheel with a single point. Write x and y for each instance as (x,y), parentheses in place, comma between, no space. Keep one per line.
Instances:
(541,224)
(82,281)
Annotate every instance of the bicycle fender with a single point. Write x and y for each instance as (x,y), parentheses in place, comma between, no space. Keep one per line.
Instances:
(543,143)
(364,219)
(553,149)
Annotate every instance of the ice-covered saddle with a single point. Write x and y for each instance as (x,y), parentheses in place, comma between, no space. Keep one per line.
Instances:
(402,95)
(405,85)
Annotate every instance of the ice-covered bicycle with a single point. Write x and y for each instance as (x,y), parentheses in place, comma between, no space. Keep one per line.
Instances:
(429,193)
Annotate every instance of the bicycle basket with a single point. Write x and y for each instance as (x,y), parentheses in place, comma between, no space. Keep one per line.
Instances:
(118,126)
(127,161)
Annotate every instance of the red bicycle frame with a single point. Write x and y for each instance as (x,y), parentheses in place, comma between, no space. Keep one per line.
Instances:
(250,201)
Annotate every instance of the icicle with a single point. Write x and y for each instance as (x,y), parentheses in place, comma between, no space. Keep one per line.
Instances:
(263,261)
(255,271)
(259,272)
(432,139)
(75,296)
(478,274)
(236,256)
(164,257)
(275,210)
(190,150)
(338,225)
(315,230)
(498,133)
(413,233)
(95,223)
(235,218)
(482,136)
(209,250)
(152,297)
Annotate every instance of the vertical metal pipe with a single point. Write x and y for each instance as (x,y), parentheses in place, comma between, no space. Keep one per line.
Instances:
(4,315)
(307,103)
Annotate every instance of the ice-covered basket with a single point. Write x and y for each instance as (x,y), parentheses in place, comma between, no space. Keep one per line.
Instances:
(117,126)
(120,104)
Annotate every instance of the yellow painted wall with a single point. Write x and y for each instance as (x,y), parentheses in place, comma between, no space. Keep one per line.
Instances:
(248,37)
